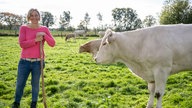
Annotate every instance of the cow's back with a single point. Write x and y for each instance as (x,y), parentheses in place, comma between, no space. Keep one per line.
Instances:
(180,43)
(162,45)
(176,42)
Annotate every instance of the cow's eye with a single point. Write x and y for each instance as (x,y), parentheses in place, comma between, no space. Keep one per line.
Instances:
(104,43)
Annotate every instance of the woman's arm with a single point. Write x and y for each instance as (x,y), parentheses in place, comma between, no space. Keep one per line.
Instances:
(23,42)
(49,38)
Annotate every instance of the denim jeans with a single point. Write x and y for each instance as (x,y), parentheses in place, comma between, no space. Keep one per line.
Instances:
(24,69)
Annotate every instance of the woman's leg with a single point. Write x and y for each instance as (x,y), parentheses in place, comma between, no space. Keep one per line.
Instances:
(35,81)
(23,73)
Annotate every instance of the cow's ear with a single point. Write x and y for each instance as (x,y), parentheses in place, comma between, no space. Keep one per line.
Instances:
(110,37)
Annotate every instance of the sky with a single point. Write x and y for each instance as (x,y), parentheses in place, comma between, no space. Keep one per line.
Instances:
(79,8)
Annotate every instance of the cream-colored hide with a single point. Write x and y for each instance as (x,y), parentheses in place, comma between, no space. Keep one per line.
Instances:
(151,53)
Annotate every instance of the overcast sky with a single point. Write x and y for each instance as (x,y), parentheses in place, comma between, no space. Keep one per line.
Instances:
(78,8)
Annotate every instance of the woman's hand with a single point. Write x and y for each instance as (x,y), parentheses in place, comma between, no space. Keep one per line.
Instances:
(39,36)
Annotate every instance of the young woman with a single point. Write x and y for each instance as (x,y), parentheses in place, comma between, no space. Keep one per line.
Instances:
(30,36)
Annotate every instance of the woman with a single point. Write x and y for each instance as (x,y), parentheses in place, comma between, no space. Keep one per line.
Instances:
(30,36)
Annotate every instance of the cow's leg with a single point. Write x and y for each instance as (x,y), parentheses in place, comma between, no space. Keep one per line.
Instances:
(74,37)
(151,88)
(84,35)
(160,83)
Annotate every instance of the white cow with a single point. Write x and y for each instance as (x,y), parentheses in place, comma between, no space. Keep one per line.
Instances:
(80,32)
(151,53)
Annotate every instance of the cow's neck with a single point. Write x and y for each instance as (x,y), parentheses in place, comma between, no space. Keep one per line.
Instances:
(129,51)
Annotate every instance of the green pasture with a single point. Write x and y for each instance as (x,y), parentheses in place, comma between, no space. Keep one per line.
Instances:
(74,80)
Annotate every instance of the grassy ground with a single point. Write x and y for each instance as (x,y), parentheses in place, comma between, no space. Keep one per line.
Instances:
(74,80)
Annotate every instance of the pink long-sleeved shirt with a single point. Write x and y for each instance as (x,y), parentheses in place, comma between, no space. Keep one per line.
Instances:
(30,48)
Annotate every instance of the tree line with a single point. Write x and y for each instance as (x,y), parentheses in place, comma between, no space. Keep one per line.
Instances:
(123,19)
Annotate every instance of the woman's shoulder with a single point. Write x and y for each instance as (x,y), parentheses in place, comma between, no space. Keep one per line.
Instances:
(43,27)
(27,26)
(24,26)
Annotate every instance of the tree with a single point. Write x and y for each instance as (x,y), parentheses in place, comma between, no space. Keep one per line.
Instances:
(81,25)
(87,20)
(126,19)
(47,19)
(175,12)
(65,20)
(149,21)
(24,19)
(100,18)
(1,18)
(11,20)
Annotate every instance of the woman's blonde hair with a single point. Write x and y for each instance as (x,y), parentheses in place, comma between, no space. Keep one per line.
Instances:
(30,12)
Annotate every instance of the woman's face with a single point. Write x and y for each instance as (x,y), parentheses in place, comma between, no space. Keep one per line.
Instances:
(34,17)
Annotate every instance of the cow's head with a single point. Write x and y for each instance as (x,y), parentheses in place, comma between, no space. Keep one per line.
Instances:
(106,49)
(84,48)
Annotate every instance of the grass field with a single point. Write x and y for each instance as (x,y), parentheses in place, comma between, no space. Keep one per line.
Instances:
(74,80)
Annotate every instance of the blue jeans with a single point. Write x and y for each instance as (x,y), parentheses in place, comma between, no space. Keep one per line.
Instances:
(24,69)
